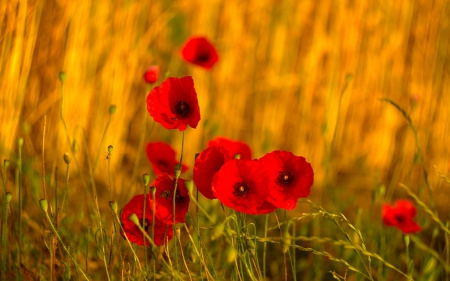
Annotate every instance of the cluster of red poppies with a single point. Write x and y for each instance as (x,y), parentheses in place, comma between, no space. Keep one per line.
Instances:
(158,210)
(225,170)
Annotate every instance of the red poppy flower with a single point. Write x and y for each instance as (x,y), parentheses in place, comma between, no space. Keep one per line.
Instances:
(151,74)
(162,157)
(207,163)
(163,231)
(174,104)
(234,147)
(291,178)
(401,216)
(199,51)
(165,186)
(242,186)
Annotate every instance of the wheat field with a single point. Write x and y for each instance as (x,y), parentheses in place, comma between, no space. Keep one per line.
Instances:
(304,76)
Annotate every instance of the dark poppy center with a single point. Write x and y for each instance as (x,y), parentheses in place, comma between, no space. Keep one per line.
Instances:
(163,163)
(284,178)
(178,198)
(145,224)
(182,108)
(400,218)
(202,57)
(240,189)
(166,194)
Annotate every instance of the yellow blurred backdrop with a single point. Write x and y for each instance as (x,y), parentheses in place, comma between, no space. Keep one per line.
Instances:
(305,76)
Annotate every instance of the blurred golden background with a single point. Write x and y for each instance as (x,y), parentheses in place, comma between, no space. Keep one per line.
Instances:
(304,76)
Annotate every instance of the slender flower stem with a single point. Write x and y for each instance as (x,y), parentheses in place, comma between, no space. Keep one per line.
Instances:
(97,209)
(143,221)
(4,230)
(153,190)
(43,159)
(19,184)
(133,218)
(44,206)
(174,197)
(265,246)
(114,208)
(408,260)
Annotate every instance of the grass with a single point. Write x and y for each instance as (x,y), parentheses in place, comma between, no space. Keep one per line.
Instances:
(357,88)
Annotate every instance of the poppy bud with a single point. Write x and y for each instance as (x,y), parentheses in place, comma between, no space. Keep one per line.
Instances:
(113,206)
(67,158)
(134,219)
(110,149)
(20,141)
(62,76)
(406,240)
(8,197)
(44,204)
(112,109)
(151,75)
(146,179)
(153,190)
(6,163)
(189,185)
(231,254)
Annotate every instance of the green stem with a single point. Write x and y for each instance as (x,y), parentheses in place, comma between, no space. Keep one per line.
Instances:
(203,247)
(143,223)
(408,260)
(101,142)
(97,209)
(4,229)
(174,196)
(113,206)
(61,242)
(419,148)
(19,184)
(153,228)
(266,225)
(133,218)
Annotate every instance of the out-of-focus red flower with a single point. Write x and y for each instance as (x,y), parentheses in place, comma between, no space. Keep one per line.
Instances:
(207,163)
(199,51)
(174,103)
(291,178)
(242,186)
(401,216)
(234,147)
(165,186)
(151,75)
(163,231)
(162,157)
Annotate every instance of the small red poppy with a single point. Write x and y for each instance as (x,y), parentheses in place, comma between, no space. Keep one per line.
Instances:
(174,103)
(165,185)
(242,186)
(151,75)
(291,178)
(207,163)
(163,231)
(162,157)
(234,147)
(199,51)
(401,216)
